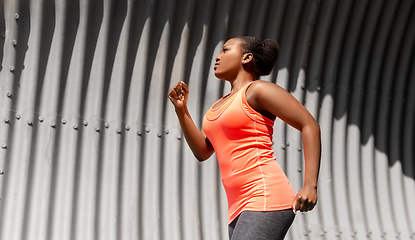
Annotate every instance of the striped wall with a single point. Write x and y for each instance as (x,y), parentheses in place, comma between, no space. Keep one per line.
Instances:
(90,147)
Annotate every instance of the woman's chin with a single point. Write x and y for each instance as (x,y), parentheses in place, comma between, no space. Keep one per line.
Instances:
(217,74)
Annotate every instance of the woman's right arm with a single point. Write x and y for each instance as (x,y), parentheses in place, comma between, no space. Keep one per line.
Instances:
(196,139)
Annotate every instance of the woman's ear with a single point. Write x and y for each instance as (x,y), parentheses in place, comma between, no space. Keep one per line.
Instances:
(247,58)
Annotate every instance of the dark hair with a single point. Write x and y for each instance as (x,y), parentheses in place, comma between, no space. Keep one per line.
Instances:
(265,53)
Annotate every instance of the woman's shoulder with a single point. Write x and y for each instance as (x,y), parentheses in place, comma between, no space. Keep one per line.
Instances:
(263,83)
(260,87)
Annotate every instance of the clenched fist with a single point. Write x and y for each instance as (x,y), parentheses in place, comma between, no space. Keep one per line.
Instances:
(178,94)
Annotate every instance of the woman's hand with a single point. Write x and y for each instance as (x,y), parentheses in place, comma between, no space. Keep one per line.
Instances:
(305,200)
(179,94)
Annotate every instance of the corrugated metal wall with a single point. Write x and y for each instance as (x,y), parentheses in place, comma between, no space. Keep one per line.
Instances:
(91,148)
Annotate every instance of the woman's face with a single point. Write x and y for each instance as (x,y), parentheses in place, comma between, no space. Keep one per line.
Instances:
(229,61)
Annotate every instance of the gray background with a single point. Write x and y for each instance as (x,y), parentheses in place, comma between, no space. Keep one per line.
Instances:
(91,147)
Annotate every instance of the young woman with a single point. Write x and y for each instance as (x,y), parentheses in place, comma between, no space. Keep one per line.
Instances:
(239,128)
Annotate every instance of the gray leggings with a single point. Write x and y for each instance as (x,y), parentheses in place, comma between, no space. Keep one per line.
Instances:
(251,225)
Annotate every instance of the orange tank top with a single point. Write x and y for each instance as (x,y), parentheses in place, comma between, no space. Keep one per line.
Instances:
(242,140)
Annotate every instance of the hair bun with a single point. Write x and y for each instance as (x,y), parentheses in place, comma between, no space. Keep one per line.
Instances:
(271,44)
(269,55)
(265,54)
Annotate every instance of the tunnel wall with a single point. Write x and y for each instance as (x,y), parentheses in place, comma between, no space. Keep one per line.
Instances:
(91,147)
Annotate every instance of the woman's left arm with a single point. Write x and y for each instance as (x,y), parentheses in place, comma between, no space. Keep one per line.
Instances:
(268,97)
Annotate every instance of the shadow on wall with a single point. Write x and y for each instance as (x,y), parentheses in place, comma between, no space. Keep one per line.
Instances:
(2,33)
(361,53)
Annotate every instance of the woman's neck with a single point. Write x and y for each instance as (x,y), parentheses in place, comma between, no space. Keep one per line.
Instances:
(241,82)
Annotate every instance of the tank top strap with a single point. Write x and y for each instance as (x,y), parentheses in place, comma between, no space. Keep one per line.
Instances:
(252,113)
(215,111)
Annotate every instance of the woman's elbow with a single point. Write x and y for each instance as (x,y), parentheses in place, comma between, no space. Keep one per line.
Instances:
(312,128)
(316,127)
(202,157)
